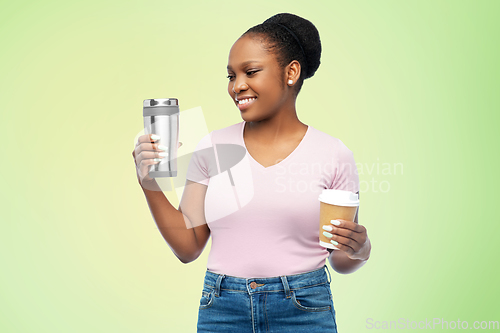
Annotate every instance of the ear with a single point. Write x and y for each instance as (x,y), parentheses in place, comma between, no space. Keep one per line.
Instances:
(293,71)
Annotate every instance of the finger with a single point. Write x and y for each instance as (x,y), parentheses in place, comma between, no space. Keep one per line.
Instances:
(352,240)
(144,139)
(344,248)
(348,233)
(144,166)
(148,147)
(346,237)
(141,155)
(146,154)
(347,245)
(354,244)
(147,138)
(150,157)
(180,144)
(350,225)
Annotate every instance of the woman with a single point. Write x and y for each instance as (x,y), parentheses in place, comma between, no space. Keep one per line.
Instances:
(266,271)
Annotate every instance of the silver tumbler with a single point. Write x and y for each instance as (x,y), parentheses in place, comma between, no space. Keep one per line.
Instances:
(161,117)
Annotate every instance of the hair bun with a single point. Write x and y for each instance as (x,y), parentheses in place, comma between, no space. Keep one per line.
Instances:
(307,35)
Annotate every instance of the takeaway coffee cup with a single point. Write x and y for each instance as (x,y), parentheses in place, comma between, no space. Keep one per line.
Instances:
(335,204)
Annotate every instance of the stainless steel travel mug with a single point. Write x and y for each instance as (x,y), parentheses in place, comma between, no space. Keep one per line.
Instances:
(161,117)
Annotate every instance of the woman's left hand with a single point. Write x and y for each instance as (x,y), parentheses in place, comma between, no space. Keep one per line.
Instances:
(351,238)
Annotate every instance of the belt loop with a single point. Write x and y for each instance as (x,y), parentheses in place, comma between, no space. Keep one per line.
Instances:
(329,276)
(217,284)
(285,285)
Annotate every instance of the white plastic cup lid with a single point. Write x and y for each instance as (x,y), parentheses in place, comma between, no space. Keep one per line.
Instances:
(339,198)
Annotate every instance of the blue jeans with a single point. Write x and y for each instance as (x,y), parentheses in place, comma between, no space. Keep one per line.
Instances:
(292,303)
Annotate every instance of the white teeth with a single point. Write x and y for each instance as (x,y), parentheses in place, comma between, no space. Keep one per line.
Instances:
(243,101)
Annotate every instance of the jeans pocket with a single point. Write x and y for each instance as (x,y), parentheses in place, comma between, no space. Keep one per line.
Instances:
(207,297)
(312,299)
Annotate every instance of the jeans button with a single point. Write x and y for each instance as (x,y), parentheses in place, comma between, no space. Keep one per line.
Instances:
(253,285)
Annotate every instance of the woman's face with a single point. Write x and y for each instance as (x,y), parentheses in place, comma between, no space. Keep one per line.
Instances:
(257,80)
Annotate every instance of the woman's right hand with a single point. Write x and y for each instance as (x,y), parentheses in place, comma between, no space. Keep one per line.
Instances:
(146,153)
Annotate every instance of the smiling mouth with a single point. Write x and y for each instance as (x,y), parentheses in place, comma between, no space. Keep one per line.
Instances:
(246,100)
(244,103)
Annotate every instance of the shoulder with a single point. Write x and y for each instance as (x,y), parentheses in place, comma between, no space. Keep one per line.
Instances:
(328,142)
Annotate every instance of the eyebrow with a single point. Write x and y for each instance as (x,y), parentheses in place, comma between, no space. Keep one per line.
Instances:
(244,64)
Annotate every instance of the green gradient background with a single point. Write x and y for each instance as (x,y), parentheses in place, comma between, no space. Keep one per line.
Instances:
(411,84)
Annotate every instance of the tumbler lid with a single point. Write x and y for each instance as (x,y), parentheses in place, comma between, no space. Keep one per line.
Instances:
(160,102)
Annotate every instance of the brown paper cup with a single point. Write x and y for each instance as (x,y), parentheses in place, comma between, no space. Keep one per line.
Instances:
(335,204)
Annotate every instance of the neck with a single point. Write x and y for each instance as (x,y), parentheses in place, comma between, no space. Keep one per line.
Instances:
(282,126)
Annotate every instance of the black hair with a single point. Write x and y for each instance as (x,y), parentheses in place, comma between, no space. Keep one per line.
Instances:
(291,37)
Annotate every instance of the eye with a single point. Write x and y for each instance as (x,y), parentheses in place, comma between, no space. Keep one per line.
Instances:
(231,77)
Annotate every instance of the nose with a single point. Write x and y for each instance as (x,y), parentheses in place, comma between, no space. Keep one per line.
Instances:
(239,85)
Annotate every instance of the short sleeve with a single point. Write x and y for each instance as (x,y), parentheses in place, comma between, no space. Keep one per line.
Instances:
(346,176)
(200,162)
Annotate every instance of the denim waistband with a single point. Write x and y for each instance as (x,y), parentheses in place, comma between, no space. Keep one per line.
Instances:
(278,283)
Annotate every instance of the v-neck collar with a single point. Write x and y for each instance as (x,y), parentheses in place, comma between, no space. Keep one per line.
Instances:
(260,166)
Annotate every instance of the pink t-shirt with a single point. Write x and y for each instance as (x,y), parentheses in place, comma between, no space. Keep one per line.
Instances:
(264,222)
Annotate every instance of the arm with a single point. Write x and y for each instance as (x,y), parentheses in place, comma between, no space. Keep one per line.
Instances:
(185,230)
(340,259)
